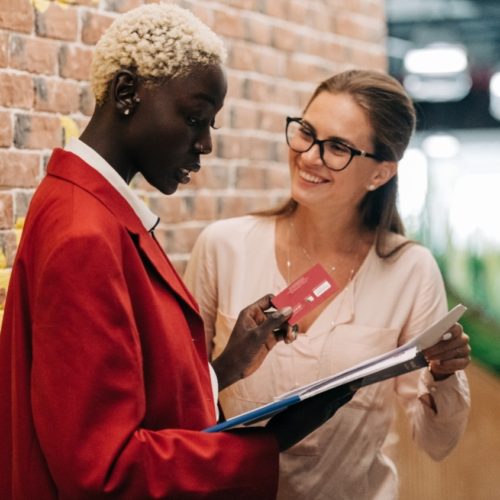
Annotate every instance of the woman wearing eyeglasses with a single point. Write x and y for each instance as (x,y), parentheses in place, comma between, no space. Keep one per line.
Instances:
(343,158)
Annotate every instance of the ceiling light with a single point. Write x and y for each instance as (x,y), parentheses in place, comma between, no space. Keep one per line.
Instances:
(436,60)
(441,146)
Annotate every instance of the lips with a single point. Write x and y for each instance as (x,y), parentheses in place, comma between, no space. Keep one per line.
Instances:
(313,179)
(184,173)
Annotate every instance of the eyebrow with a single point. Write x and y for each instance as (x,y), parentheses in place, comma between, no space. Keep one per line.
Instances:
(205,97)
(331,138)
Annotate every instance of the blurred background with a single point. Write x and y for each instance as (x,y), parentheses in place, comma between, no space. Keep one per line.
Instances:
(447,55)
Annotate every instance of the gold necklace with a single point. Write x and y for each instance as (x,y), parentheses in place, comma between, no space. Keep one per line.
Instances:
(306,253)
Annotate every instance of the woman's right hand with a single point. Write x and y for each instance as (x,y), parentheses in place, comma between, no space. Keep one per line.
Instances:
(298,421)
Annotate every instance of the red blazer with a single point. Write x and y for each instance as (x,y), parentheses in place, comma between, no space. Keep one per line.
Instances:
(104,383)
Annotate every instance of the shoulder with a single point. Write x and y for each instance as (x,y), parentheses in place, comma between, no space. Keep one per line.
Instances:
(248,229)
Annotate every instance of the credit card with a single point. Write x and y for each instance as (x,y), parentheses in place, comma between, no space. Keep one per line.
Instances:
(306,293)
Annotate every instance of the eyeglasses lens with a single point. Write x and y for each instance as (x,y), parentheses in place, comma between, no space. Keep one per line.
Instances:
(300,138)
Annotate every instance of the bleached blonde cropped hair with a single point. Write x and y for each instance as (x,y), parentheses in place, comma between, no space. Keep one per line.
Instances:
(156,41)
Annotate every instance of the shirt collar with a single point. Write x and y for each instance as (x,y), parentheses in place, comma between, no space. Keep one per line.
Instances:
(97,162)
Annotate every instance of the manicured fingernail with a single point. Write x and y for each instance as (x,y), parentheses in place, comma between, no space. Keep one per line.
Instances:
(286,311)
(447,336)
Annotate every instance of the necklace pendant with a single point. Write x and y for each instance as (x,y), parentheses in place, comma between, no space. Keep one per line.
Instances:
(288,263)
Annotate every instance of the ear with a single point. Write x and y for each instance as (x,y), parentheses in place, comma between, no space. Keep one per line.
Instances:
(384,172)
(123,92)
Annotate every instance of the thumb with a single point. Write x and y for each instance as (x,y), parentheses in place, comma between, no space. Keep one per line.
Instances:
(275,319)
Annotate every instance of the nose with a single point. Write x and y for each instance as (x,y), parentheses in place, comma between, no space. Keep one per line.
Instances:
(312,156)
(204,145)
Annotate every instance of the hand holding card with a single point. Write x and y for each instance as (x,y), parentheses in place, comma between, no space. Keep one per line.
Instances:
(306,293)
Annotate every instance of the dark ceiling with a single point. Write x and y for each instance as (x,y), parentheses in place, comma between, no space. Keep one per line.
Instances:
(475,24)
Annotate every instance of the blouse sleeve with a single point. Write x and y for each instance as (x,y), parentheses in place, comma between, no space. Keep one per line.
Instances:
(436,431)
(201,279)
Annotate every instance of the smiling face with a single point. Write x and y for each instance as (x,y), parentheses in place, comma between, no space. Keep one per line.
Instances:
(339,117)
(170,127)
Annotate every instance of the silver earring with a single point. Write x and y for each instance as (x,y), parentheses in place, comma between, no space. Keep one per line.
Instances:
(371,187)
(127,111)
(138,99)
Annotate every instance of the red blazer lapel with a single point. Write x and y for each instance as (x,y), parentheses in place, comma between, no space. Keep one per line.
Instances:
(72,168)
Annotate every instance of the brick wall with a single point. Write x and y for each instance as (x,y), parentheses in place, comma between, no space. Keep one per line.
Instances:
(278,51)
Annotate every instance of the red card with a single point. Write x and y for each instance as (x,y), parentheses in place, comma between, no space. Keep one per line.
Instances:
(306,293)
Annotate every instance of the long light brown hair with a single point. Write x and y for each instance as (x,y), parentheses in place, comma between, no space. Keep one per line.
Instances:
(392,116)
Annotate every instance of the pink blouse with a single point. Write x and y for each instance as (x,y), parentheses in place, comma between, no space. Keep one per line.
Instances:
(388,302)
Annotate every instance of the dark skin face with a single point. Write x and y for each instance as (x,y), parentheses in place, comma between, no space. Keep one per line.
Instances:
(164,134)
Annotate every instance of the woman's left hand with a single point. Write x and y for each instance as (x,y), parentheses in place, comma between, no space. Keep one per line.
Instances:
(450,354)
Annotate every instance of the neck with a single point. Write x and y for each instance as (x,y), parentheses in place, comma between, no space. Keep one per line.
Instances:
(324,233)
(105,137)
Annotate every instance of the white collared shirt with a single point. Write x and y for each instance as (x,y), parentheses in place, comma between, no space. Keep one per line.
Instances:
(148,218)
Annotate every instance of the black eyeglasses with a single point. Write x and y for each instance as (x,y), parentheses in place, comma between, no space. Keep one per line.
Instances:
(335,154)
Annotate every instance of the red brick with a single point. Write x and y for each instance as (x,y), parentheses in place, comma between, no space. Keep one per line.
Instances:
(33,54)
(168,208)
(304,95)
(320,19)
(21,170)
(180,264)
(57,22)
(57,96)
(281,94)
(298,11)
(82,123)
(22,202)
(8,243)
(16,90)
(234,85)
(276,8)
(235,206)
(258,203)
(4,50)
(87,101)
(250,177)
(311,43)
(244,116)
(284,38)
(229,23)
(74,62)
(122,6)
(179,239)
(86,3)
(271,62)
(231,146)
(307,69)
(204,13)
(272,121)
(259,31)
(6,211)
(335,50)
(209,177)
(278,177)
(5,129)
(256,90)
(261,149)
(38,132)
(243,57)
(93,26)
(17,15)
(201,207)
(243,4)
(281,152)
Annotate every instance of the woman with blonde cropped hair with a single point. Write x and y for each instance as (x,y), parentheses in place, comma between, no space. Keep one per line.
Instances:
(343,158)
(105,386)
